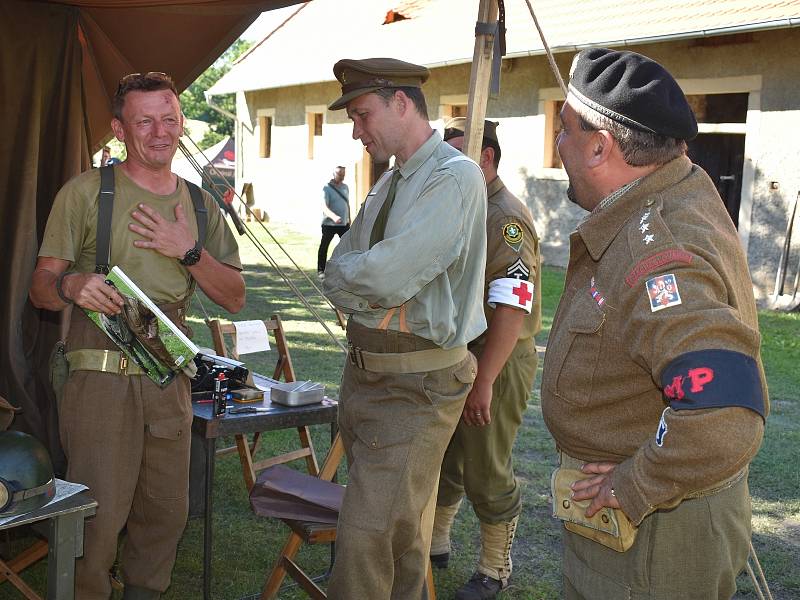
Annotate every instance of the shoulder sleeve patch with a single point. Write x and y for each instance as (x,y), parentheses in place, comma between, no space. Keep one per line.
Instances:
(713,379)
(656,261)
(662,291)
(513,235)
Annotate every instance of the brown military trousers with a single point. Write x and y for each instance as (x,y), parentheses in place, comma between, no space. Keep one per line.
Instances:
(395,428)
(478,460)
(128,440)
(692,552)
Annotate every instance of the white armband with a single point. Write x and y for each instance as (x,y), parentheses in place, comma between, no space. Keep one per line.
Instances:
(511,292)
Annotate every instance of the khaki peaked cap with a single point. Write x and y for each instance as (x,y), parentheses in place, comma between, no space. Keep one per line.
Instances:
(359,77)
(457,126)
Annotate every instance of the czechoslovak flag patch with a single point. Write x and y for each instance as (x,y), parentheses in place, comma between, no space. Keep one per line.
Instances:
(511,292)
(663,292)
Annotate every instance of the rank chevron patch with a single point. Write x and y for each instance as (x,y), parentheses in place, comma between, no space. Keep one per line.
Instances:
(518,270)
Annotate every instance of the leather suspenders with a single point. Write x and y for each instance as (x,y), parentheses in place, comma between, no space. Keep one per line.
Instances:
(105,208)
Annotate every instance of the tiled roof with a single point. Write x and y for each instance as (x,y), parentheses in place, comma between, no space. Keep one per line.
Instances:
(440,32)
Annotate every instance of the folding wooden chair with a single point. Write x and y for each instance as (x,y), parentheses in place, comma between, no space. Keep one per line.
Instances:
(9,570)
(310,532)
(283,368)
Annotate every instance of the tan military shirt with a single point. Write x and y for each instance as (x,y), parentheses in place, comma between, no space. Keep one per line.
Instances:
(71,233)
(433,254)
(653,359)
(513,262)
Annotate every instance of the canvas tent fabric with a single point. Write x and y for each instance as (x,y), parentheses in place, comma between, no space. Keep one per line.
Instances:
(59,66)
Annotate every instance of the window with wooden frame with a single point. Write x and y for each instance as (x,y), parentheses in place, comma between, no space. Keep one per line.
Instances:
(552,127)
(265,136)
(314,121)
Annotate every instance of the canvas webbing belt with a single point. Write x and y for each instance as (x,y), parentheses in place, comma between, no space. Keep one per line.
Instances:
(105,208)
(406,362)
(106,361)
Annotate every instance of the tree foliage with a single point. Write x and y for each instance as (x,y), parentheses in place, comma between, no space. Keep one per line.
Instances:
(193,100)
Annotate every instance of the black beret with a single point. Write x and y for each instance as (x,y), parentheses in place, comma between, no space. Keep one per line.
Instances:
(457,126)
(633,90)
(359,77)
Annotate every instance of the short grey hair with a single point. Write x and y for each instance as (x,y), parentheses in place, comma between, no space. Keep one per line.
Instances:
(639,148)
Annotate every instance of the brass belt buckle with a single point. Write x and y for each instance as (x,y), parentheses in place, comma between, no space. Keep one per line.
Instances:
(123,365)
(356,358)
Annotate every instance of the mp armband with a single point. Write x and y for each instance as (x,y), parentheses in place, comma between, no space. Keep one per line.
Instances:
(713,379)
(60,289)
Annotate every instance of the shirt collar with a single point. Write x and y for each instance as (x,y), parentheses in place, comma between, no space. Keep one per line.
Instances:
(603,224)
(422,154)
(495,186)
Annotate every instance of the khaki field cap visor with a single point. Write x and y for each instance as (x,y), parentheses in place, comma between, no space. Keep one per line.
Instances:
(360,77)
(457,126)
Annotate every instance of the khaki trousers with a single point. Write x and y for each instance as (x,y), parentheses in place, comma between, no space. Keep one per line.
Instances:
(478,460)
(691,552)
(395,428)
(128,440)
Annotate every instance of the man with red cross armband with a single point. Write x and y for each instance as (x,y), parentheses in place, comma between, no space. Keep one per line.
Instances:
(652,386)
(478,460)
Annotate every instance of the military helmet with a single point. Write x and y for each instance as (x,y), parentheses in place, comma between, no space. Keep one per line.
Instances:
(26,474)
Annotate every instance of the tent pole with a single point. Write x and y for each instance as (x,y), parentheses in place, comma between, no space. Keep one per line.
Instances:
(479,81)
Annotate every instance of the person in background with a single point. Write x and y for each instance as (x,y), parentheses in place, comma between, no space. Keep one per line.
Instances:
(336,215)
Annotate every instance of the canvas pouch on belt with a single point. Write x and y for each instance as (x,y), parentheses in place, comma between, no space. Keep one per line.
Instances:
(58,369)
(609,526)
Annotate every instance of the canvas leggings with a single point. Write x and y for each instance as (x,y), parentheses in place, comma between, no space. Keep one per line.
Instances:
(395,428)
(692,552)
(478,460)
(129,441)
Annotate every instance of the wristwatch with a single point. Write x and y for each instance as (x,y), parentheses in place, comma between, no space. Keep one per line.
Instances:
(192,255)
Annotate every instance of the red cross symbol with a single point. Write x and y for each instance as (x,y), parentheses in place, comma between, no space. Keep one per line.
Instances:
(521,292)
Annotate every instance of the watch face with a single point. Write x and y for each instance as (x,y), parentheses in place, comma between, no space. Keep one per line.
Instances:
(192,256)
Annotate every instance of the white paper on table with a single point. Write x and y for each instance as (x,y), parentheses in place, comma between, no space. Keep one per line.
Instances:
(251,336)
(64,489)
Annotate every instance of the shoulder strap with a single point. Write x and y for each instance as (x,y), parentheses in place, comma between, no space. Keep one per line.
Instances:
(335,189)
(199,210)
(105,207)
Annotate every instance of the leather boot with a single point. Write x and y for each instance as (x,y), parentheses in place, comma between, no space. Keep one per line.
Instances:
(440,541)
(494,564)
(133,592)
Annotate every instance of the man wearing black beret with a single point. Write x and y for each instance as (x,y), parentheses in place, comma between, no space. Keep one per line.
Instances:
(653,386)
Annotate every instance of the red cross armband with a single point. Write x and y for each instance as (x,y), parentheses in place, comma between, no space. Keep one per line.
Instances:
(511,292)
(713,379)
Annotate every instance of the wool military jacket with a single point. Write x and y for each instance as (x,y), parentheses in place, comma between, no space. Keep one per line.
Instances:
(513,261)
(653,359)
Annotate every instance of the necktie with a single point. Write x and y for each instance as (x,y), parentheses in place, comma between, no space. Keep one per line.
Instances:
(379,228)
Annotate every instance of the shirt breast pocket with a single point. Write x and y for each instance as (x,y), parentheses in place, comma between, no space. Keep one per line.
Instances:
(572,360)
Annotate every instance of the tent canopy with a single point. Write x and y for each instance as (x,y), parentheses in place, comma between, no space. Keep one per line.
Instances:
(60,64)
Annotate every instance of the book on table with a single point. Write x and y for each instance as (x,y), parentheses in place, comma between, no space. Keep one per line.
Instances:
(144,333)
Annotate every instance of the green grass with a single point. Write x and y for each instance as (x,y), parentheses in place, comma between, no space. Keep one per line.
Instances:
(246,546)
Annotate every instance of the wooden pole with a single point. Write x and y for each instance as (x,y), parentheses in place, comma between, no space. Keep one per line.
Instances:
(479,82)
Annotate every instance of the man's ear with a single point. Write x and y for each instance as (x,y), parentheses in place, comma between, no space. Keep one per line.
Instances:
(599,148)
(487,157)
(402,101)
(116,127)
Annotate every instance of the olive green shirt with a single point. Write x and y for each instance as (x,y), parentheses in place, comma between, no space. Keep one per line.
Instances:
(616,334)
(71,233)
(433,253)
(512,253)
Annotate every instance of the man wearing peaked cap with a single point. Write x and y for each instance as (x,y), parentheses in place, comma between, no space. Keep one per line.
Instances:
(409,273)
(477,462)
(652,386)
